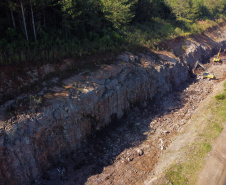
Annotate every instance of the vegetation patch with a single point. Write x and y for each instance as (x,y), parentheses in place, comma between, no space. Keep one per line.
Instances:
(186,170)
(176,176)
(50,31)
(220,96)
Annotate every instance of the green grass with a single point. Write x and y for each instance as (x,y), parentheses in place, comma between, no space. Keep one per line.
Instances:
(176,175)
(186,171)
(220,96)
(150,34)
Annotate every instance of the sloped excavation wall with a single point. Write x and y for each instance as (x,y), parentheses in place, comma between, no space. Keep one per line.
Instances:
(35,140)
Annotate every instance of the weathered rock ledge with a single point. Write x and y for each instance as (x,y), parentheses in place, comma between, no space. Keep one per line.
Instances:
(74,108)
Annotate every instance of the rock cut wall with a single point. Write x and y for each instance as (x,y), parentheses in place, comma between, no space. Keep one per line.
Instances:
(35,140)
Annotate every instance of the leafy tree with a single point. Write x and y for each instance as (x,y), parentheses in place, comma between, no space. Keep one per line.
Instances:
(90,18)
(180,8)
(215,6)
(77,27)
(144,10)
(118,12)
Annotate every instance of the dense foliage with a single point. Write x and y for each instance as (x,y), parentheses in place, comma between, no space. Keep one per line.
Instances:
(49,30)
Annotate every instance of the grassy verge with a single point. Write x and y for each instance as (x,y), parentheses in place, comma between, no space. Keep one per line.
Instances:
(186,171)
(151,33)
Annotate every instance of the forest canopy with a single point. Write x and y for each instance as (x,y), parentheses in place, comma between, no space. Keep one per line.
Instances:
(49,30)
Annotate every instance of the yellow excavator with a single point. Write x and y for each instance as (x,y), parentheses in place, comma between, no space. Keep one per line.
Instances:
(206,74)
(217,57)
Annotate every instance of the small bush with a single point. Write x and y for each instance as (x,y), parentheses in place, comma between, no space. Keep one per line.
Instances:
(220,96)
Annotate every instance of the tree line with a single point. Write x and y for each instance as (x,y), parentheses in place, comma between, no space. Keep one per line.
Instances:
(54,29)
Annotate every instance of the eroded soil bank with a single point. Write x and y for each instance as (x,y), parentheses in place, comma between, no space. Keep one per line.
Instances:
(44,141)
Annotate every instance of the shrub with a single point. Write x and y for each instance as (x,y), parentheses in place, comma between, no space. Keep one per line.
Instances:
(220,96)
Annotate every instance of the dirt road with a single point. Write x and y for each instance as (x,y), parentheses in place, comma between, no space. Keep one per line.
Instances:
(214,171)
(127,151)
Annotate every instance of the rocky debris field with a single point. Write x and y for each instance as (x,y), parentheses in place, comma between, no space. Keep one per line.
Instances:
(127,151)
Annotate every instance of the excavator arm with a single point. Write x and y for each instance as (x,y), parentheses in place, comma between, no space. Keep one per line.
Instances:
(196,64)
(219,53)
(206,73)
(217,58)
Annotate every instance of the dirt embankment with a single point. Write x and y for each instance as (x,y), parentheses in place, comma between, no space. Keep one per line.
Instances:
(43,137)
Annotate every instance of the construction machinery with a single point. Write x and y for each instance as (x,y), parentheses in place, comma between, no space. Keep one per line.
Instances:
(217,57)
(206,74)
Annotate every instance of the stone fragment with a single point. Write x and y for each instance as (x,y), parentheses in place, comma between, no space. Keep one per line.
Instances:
(139,151)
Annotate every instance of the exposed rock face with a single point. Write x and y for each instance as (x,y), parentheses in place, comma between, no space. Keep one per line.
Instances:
(34,141)
(201,47)
(82,105)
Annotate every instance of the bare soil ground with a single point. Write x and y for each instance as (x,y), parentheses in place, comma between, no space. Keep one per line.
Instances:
(127,151)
